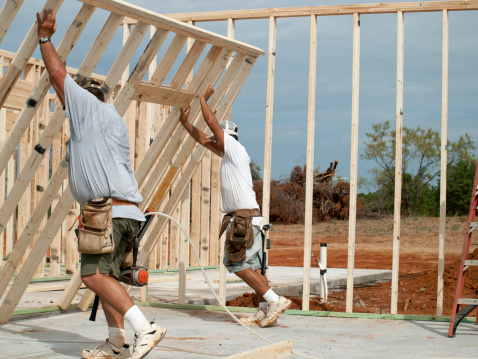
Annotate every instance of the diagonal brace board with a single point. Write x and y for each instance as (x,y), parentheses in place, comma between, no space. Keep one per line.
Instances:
(168,60)
(123,59)
(188,64)
(123,99)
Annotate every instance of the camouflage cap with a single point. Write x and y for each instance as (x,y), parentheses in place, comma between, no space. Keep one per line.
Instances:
(87,82)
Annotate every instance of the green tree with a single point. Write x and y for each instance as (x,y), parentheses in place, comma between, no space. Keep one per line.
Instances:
(429,203)
(255,171)
(380,198)
(459,186)
(420,164)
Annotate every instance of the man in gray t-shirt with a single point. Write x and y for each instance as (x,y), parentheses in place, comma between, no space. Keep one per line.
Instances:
(99,165)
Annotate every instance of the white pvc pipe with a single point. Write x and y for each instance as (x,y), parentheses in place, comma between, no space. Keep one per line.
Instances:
(323,270)
(323,255)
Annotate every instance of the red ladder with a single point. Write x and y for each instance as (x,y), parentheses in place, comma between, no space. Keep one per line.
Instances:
(471,303)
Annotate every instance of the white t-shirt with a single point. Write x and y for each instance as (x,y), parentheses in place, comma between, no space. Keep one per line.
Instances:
(236,180)
(98,152)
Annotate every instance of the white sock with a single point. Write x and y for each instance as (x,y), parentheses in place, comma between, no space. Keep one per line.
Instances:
(116,336)
(263,306)
(136,319)
(271,296)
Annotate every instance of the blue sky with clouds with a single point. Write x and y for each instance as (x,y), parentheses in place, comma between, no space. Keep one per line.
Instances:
(422,74)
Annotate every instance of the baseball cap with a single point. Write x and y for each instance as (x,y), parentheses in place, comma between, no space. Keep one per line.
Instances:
(229,127)
(87,82)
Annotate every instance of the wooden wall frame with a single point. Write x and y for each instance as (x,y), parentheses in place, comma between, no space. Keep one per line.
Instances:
(177,92)
(159,181)
(355,10)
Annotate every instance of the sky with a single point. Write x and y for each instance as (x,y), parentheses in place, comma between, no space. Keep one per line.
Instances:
(378,53)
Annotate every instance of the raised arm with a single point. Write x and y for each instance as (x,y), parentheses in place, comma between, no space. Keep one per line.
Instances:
(210,118)
(55,67)
(198,135)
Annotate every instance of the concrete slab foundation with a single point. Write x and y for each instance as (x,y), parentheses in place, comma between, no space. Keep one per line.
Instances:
(204,334)
(194,333)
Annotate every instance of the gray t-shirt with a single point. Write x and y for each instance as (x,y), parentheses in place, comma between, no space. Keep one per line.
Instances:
(98,152)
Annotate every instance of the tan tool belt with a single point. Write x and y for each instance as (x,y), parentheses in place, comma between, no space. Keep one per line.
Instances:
(95,233)
(241,236)
(122,202)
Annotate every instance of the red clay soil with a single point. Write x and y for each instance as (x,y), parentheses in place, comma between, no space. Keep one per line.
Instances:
(418,263)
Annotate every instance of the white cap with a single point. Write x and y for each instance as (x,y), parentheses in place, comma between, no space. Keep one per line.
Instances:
(229,127)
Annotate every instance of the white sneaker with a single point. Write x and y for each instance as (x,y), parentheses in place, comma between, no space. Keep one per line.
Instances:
(275,310)
(254,319)
(146,340)
(107,350)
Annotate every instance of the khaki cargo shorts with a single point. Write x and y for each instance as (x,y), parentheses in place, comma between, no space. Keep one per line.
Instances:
(253,255)
(124,230)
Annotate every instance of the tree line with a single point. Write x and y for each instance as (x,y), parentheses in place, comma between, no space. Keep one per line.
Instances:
(421,159)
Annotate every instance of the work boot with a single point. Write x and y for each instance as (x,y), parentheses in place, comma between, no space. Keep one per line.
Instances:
(107,350)
(255,319)
(146,340)
(275,310)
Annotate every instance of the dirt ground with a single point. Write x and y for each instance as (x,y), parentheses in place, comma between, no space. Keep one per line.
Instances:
(418,262)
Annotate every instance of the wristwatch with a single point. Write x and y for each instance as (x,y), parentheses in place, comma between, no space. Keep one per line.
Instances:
(44,39)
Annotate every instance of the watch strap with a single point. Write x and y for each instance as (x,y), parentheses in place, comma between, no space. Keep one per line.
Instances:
(44,39)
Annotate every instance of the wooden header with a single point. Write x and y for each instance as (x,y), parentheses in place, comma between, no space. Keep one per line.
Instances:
(151,18)
(377,8)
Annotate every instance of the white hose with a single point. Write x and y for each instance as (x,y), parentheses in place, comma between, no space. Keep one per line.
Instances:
(209,283)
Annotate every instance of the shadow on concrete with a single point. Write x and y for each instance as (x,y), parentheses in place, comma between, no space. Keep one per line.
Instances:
(56,339)
(441,328)
(60,342)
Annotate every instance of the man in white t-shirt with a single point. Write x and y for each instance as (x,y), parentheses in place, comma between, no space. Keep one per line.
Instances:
(237,193)
(99,165)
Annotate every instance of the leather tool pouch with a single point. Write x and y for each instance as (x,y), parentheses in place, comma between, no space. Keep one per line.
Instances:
(95,233)
(240,237)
